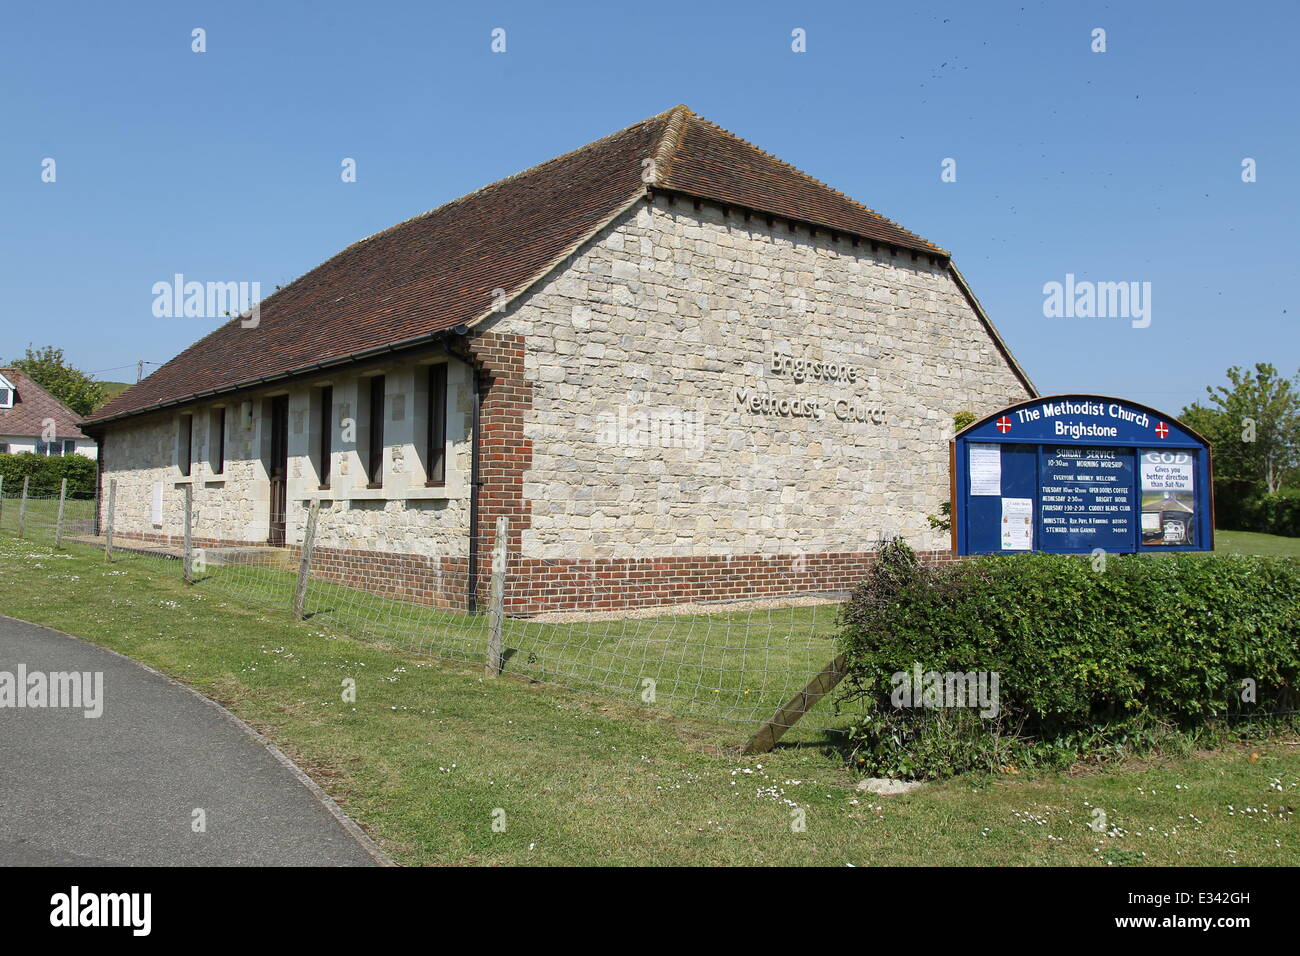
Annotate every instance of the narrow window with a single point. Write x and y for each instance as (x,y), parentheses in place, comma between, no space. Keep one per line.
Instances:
(326,450)
(436,450)
(69,446)
(184,448)
(219,441)
(376,469)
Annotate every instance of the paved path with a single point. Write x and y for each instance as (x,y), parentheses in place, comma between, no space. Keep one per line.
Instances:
(121,788)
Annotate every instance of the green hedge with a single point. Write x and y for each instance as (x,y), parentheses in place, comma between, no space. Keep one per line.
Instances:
(1147,641)
(1271,514)
(46,473)
(1242,506)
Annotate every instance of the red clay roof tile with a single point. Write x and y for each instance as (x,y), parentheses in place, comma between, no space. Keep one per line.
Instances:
(33,406)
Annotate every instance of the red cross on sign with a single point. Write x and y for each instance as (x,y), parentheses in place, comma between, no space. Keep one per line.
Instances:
(1004,425)
(1162,429)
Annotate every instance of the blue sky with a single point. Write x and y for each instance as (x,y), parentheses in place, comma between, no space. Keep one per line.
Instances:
(1115,166)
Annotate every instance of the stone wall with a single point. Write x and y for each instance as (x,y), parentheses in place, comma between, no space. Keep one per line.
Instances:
(141,455)
(233,506)
(657,422)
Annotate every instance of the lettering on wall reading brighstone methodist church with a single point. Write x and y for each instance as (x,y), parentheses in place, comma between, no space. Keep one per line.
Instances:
(847,408)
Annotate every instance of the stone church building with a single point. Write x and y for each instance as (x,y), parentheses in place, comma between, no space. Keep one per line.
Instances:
(682,369)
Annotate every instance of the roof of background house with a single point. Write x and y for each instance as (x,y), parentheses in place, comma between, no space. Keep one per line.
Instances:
(440,269)
(33,405)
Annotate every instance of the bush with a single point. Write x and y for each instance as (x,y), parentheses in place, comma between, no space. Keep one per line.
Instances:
(46,473)
(1086,661)
(1271,514)
(1231,501)
(1242,506)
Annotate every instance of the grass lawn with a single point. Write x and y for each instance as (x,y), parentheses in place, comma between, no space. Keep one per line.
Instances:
(737,666)
(429,751)
(1249,542)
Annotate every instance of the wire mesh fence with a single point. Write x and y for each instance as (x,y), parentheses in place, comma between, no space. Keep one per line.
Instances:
(51,518)
(741,640)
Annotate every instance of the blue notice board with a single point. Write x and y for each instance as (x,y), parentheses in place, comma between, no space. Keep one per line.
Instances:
(1071,474)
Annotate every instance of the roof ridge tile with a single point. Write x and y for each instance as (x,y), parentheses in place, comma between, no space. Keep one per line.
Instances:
(679,118)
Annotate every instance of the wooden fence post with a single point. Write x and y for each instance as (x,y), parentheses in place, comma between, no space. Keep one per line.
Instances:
(187,548)
(22,509)
(771,731)
(58,522)
(497,611)
(108,524)
(304,560)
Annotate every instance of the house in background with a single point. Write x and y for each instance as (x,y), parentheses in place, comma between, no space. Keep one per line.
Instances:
(33,420)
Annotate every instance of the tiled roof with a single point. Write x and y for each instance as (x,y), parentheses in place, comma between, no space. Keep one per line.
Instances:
(439,270)
(33,405)
(708,161)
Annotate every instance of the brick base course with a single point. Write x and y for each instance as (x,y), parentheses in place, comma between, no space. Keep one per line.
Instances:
(534,587)
(414,578)
(608,584)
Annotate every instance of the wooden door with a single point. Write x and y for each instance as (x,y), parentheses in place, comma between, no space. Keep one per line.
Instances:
(278,467)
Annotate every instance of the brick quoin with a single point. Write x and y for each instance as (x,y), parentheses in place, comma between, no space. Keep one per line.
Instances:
(504,453)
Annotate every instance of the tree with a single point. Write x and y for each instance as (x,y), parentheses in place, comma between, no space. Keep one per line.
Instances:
(68,384)
(1254,426)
